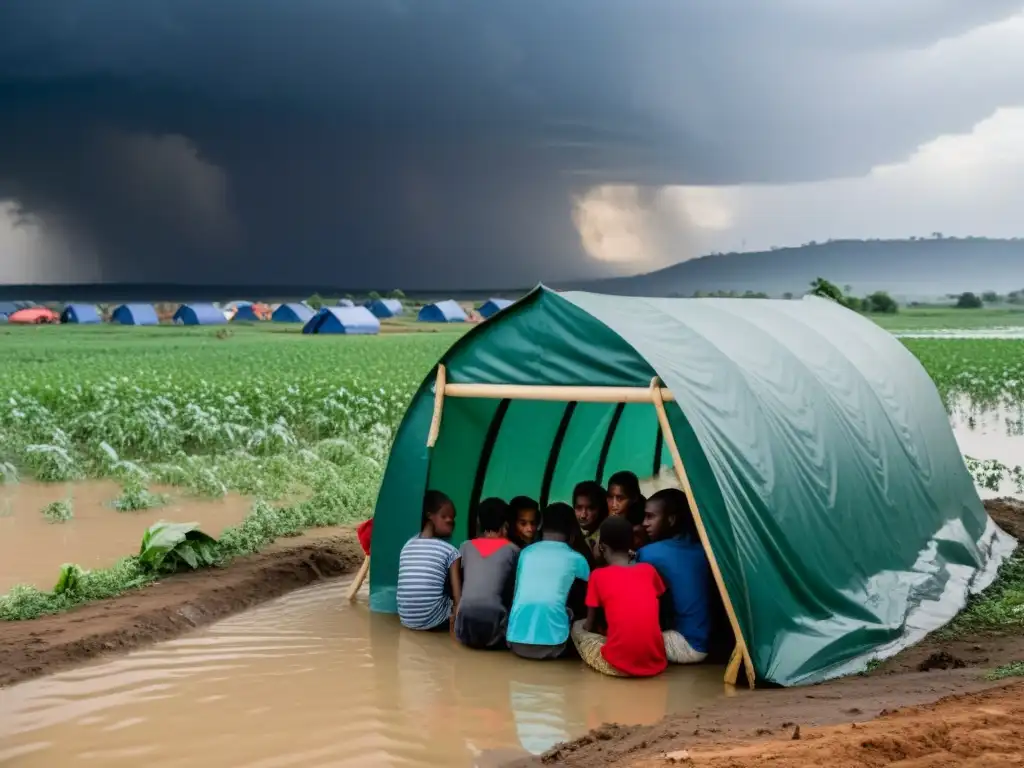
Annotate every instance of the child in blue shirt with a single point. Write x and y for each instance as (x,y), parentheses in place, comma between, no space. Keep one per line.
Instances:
(676,553)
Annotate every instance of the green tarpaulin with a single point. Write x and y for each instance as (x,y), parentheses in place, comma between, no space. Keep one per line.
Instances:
(835,499)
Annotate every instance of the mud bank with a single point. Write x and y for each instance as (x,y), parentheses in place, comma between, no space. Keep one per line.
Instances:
(984,729)
(942,679)
(171,607)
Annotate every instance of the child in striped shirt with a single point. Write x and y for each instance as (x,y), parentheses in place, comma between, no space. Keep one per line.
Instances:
(429,582)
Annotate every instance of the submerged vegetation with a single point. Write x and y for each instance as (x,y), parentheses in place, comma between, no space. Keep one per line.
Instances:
(998,608)
(58,511)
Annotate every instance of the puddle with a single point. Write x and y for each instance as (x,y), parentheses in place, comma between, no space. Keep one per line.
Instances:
(992,434)
(1011,332)
(32,550)
(311,680)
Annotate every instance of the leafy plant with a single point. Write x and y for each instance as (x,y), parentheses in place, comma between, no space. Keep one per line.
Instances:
(71,577)
(58,511)
(168,547)
(1016,669)
(135,496)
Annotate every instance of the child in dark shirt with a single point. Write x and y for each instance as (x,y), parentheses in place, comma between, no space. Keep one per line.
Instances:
(488,577)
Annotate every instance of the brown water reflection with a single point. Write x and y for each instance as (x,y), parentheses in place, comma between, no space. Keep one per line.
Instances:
(309,680)
(991,434)
(32,550)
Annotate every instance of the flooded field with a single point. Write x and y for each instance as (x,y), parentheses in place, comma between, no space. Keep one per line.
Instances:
(993,434)
(310,679)
(32,549)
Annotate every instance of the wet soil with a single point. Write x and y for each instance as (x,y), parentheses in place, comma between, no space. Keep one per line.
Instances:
(739,730)
(171,607)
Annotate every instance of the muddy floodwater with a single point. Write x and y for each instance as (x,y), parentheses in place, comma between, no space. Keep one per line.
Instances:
(32,550)
(312,680)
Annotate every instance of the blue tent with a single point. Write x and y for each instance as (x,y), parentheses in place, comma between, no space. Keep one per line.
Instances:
(350,320)
(293,313)
(493,307)
(447,311)
(7,308)
(246,313)
(135,314)
(199,314)
(81,314)
(346,303)
(384,308)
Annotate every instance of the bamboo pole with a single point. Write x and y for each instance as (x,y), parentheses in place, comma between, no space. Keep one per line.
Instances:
(552,393)
(732,670)
(440,390)
(360,577)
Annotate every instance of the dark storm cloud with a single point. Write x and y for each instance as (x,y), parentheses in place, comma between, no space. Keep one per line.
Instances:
(440,142)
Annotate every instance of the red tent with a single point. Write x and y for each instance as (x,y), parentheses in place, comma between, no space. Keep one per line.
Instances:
(34,316)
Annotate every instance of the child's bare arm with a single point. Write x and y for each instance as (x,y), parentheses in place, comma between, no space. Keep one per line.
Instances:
(455,574)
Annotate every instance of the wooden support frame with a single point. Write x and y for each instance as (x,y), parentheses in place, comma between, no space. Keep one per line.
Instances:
(656,395)
(360,577)
(741,652)
(440,390)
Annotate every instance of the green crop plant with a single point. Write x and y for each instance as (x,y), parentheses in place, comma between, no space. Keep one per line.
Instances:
(58,511)
(135,496)
(169,547)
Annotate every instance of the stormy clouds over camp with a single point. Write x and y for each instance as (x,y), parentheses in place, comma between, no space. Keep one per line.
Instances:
(390,142)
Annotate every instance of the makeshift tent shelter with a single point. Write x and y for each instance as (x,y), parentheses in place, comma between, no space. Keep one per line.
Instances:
(350,320)
(830,496)
(293,313)
(447,311)
(346,303)
(135,314)
(7,308)
(385,308)
(33,316)
(81,314)
(199,314)
(250,313)
(493,307)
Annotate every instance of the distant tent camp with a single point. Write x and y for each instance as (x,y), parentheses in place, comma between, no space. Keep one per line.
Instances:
(384,308)
(250,313)
(447,311)
(135,314)
(199,314)
(349,320)
(293,313)
(826,487)
(7,308)
(33,316)
(346,303)
(80,314)
(493,307)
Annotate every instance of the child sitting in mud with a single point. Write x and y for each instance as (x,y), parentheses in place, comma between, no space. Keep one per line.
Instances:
(627,594)
(429,582)
(538,625)
(488,579)
(676,553)
(523,520)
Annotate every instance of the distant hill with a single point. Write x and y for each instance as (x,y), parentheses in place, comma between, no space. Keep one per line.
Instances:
(907,268)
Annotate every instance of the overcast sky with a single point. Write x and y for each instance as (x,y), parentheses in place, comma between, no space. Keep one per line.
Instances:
(420,143)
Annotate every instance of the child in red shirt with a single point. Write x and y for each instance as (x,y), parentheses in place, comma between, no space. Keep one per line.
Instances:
(628,595)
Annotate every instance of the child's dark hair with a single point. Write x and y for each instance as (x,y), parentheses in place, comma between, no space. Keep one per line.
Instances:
(593,492)
(491,513)
(559,518)
(432,502)
(675,503)
(522,502)
(617,534)
(628,482)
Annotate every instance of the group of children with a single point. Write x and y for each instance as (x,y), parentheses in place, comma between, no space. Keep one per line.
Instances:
(624,578)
